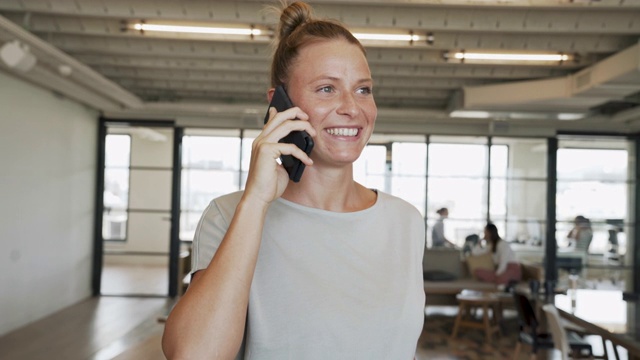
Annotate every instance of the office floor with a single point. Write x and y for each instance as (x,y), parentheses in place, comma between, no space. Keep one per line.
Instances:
(113,327)
(127,328)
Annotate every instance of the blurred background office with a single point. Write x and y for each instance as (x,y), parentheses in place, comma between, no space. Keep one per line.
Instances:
(116,132)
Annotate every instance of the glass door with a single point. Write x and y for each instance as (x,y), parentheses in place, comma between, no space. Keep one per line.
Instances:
(136,216)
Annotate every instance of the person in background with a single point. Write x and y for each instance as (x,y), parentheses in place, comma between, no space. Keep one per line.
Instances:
(323,268)
(437,233)
(507,268)
(581,235)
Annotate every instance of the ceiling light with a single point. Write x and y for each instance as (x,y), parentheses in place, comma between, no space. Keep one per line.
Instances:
(570,116)
(197,29)
(505,57)
(387,37)
(512,57)
(470,114)
(251,31)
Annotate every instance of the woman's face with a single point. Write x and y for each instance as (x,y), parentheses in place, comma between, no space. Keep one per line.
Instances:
(331,81)
(487,236)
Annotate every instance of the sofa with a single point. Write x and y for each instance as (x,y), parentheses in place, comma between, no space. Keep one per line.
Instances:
(446,274)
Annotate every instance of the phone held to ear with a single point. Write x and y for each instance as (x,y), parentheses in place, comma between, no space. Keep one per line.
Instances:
(301,139)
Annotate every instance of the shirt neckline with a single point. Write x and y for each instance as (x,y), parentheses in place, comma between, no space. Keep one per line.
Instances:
(309,209)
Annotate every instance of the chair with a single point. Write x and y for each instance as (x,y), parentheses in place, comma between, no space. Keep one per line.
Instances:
(530,335)
(528,324)
(569,343)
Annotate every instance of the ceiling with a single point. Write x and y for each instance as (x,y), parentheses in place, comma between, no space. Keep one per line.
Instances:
(85,51)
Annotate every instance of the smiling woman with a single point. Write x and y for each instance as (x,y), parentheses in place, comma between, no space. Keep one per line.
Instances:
(315,269)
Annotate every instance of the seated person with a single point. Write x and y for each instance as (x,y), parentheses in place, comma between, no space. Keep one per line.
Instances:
(507,268)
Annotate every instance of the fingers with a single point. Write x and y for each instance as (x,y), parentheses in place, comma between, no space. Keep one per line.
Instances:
(275,117)
(283,123)
(293,150)
(291,119)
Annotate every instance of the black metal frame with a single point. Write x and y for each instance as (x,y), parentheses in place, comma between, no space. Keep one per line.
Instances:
(550,269)
(98,242)
(635,286)
(174,242)
(96,273)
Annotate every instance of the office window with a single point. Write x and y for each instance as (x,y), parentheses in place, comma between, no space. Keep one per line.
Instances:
(457,180)
(370,169)
(518,190)
(408,172)
(116,186)
(210,168)
(247,142)
(593,181)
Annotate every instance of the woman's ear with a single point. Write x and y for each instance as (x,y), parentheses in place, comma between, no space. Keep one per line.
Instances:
(270,93)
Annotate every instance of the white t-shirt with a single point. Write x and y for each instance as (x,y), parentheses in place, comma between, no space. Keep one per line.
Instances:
(329,285)
(501,258)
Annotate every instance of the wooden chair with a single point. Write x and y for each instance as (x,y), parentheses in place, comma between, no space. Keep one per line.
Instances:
(531,335)
(528,323)
(569,343)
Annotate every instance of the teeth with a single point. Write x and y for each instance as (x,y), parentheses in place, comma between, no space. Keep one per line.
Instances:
(343,131)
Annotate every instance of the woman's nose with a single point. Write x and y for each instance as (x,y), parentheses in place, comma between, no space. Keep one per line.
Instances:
(348,105)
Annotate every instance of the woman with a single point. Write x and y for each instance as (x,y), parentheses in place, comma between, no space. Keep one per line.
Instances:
(507,268)
(437,233)
(581,235)
(320,269)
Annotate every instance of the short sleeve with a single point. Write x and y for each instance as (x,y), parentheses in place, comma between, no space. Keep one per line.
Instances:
(211,229)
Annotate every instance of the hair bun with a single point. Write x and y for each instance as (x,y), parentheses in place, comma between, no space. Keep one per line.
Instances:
(293,16)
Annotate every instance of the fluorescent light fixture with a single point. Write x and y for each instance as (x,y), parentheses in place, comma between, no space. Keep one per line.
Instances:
(387,37)
(570,116)
(489,57)
(470,114)
(510,57)
(197,29)
(250,31)
(478,114)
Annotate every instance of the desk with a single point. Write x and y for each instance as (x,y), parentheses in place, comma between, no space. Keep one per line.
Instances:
(603,313)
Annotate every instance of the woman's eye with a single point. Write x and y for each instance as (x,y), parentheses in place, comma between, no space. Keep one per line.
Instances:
(326,89)
(364,90)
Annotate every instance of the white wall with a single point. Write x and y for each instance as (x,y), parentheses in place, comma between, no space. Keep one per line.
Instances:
(47,181)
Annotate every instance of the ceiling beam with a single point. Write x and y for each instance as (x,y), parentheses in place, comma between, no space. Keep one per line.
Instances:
(444,39)
(250,66)
(249,51)
(80,73)
(614,18)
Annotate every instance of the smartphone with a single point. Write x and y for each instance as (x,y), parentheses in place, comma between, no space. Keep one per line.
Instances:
(301,139)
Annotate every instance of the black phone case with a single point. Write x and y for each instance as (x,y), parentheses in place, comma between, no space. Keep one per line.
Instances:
(301,139)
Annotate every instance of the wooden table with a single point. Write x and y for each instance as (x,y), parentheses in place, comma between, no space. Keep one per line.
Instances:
(468,302)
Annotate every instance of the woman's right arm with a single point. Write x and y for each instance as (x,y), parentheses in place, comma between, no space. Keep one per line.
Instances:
(208,321)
